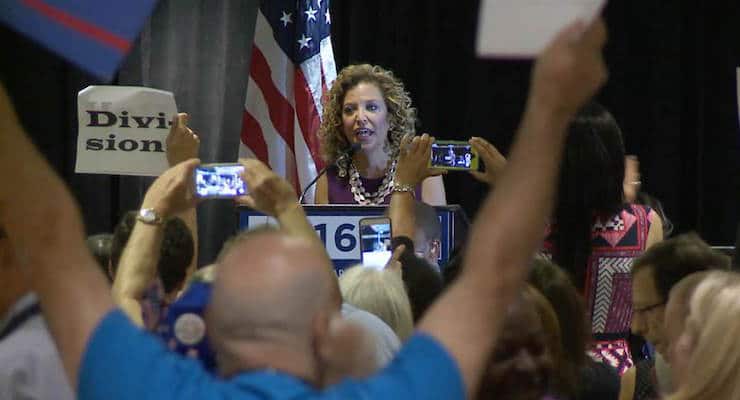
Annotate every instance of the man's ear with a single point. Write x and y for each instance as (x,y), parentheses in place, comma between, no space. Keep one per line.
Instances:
(111,276)
(321,332)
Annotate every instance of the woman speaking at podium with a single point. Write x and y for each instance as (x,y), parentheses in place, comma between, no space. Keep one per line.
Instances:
(367,113)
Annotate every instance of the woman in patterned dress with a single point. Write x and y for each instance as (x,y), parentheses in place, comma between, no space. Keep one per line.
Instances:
(595,234)
(369,108)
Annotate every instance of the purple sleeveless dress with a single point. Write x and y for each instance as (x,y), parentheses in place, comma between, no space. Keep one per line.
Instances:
(340,191)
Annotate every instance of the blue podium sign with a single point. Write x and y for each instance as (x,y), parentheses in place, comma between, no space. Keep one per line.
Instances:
(338,228)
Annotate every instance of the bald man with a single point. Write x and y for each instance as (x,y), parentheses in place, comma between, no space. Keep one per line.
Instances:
(278,350)
(268,293)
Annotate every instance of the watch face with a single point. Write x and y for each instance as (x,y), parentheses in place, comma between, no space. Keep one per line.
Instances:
(147,215)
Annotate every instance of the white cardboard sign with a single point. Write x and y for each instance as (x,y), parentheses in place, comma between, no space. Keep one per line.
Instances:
(523,28)
(122,130)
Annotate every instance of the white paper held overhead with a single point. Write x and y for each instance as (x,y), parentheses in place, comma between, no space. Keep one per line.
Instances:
(122,130)
(523,28)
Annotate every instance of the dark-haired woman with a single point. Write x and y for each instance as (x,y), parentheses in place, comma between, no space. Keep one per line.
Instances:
(595,234)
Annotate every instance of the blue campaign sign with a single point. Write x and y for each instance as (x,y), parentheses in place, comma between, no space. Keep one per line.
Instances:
(95,35)
(338,228)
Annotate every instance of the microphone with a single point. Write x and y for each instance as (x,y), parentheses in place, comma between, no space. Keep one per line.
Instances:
(348,153)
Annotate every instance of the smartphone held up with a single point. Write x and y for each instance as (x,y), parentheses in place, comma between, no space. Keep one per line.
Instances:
(453,155)
(375,242)
(219,181)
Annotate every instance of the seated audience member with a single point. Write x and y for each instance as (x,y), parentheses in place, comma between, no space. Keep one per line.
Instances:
(523,363)
(273,345)
(164,247)
(676,311)
(382,339)
(183,327)
(423,284)
(99,246)
(428,238)
(30,367)
(356,326)
(705,354)
(380,293)
(653,275)
(577,376)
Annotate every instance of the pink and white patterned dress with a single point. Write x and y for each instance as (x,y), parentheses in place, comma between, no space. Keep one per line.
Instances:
(615,242)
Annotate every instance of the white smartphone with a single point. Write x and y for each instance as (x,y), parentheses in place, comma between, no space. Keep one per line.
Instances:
(219,181)
(375,241)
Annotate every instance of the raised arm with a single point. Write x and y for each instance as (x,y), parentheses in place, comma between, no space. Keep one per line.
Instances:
(510,225)
(273,196)
(45,227)
(171,194)
(183,144)
(412,169)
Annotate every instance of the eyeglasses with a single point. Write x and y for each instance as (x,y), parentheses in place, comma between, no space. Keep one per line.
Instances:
(647,309)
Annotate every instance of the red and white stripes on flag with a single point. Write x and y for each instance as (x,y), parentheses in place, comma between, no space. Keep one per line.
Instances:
(292,66)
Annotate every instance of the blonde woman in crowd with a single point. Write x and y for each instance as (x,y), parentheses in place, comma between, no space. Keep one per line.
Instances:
(707,347)
(381,293)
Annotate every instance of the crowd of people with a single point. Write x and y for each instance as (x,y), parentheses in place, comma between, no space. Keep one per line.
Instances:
(568,287)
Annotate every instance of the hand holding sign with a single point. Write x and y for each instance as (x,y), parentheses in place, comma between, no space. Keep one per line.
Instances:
(182,143)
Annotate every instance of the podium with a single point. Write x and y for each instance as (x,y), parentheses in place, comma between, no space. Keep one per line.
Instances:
(337,226)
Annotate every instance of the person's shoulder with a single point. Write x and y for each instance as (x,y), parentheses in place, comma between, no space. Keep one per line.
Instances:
(29,359)
(30,337)
(427,368)
(386,341)
(640,210)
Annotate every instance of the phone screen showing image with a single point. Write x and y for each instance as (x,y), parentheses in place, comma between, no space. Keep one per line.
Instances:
(453,155)
(219,181)
(375,242)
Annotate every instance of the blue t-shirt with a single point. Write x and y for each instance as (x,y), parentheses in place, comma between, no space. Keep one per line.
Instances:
(124,362)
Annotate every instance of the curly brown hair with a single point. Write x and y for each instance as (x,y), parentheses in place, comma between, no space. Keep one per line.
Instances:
(401,115)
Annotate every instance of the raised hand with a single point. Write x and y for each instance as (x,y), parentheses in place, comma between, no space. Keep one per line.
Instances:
(413,160)
(268,192)
(492,159)
(182,143)
(632,181)
(173,191)
(394,263)
(571,69)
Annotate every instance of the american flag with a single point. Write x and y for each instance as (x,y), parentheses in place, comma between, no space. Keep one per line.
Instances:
(292,66)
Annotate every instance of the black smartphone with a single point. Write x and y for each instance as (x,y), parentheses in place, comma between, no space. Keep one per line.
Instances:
(375,241)
(453,155)
(219,181)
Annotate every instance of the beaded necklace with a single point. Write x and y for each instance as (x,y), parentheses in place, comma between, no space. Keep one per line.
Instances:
(364,198)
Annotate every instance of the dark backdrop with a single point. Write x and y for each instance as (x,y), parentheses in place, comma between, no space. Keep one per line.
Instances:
(672,88)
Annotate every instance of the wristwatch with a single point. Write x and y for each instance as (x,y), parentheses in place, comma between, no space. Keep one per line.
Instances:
(149,216)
